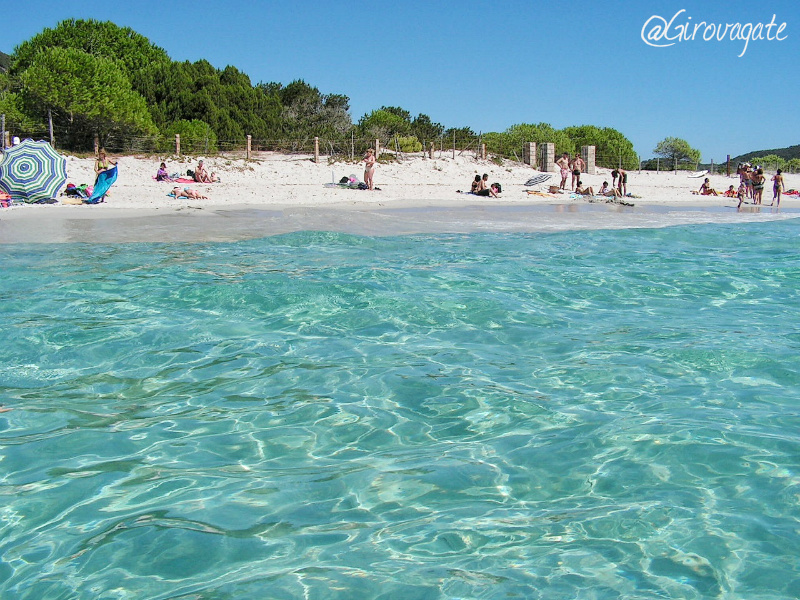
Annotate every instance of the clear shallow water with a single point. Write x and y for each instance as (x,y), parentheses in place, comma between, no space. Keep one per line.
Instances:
(597,414)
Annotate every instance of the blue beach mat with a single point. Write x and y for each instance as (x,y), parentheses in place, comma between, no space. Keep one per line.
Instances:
(104,182)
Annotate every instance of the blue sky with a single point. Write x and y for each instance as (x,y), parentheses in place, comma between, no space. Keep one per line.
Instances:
(489,65)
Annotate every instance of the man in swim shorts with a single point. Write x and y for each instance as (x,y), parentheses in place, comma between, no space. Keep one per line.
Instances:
(563,164)
(577,168)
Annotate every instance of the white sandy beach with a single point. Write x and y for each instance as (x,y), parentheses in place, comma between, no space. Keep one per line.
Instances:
(277,193)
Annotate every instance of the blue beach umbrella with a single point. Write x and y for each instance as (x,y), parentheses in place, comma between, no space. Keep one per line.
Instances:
(32,171)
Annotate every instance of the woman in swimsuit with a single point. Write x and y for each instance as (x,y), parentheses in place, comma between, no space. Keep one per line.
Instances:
(748,181)
(161,174)
(102,163)
(777,187)
(369,168)
(607,191)
(758,186)
(188,193)
(476,184)
(707,190)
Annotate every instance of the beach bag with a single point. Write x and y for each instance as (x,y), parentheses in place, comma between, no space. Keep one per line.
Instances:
(190,173)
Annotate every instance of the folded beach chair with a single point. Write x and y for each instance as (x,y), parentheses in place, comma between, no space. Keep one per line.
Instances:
(537,179)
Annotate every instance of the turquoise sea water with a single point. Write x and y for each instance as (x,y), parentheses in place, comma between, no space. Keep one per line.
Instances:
(595,414)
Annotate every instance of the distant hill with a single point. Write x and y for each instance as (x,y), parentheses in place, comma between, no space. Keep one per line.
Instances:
(785,153)
(5,61)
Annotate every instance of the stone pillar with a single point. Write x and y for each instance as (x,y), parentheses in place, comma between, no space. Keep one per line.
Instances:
(529,154)
(548,162)
(588,156)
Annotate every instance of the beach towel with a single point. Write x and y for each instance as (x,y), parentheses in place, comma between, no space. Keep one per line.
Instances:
(537,179)
(104,181)
(184,180)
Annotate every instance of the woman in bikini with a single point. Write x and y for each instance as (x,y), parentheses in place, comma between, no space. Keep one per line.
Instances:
(758,185)
(161,174)
(188,193)
(707,190)
(476,184)
(103,163)
(369,168)
(777,187)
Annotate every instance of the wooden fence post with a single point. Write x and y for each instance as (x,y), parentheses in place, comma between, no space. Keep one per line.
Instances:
(177,144)
(430,152)
(316,150)
(249,146)
(377,149)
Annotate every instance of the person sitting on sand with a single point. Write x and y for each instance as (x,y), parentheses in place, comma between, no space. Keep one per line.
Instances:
(476,184)
(188,193)
(706,189)
(608,191)
(492,191)
(584,191)
(730,193)
(201,175)
(161,174)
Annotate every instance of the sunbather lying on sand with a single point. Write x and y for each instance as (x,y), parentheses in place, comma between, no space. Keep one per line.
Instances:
(187,193)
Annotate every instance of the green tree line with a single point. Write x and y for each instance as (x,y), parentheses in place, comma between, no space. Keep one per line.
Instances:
(96,79)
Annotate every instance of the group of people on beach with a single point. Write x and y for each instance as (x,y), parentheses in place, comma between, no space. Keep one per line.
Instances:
(751,186)
(752,181)
(200,175)
(480,187)
(576,166)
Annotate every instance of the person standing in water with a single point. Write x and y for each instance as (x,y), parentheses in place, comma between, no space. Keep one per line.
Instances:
(369,168)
